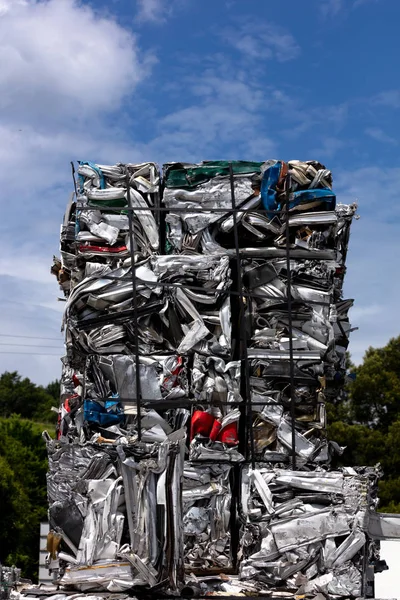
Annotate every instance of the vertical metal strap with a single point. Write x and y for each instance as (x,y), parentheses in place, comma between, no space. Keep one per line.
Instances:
(84,378)
(135,308)
(243,332)
(73,179)
(290,325)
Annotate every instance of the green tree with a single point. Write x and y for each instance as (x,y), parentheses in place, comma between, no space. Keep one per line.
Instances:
(23,501)
(375,393)
(53,389)
(368,423)
(23,397)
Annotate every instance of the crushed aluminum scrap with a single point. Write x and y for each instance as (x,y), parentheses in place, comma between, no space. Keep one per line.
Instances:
(113,506)
(295,522)
(172,471)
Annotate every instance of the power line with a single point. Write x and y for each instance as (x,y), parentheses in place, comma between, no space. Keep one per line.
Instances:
(31,353)
(38,317)
(30,337)
(29,345)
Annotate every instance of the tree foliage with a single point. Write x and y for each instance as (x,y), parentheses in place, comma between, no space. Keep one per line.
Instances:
(368,424)
(22,397)
(23,504)
(25,411)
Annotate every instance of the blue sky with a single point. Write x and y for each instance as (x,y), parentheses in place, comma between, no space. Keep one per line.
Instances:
(167,80)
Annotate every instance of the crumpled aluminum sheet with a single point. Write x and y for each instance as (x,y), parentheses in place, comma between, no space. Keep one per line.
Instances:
(113,508)
(91,232)
(320,327)
(206,498)
(216,384)
(306,531)
(191,227)
(106,410)
(103,576)
(272,430)
(172,318)
(195,226)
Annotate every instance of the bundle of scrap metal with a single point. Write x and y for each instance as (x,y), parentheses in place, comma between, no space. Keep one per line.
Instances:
(279,207)
(115,470)
(228,344)
(115,508)
(202,199)
(305,531)
(98,230)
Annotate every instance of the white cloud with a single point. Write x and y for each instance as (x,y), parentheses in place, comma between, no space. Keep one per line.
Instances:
(329,147)
(224,110)
(263,41)
(376,133)
(43,155)
(62,58)
(7,5)
(330,7)
(156,11)
(151,10)
(389,98)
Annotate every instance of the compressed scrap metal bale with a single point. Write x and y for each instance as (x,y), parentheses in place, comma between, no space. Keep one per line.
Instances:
(199,200)
(318,233)
(101,403)
(214,431)
(320,329)
(113,505)
(171,316)
(305,532)
(206,498)
(104,188)
(95,231)
(117,473)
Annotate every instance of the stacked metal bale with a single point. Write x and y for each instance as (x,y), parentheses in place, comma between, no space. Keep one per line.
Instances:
(201,207)
(306,531)
(287,242)
(115,470)
(205,311)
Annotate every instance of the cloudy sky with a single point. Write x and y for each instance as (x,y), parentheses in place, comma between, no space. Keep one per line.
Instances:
(165,80)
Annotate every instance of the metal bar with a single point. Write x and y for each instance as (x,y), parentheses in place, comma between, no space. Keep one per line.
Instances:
(211,291)
(195,209)
(188,402)
(290,324)
(84,378)
(73,178)
(135,311)
(146,596)
(243,332)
